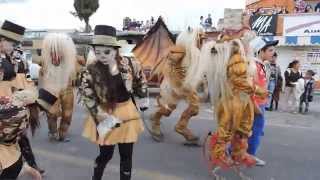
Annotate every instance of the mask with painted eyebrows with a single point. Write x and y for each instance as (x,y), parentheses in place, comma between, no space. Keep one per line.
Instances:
(106,55)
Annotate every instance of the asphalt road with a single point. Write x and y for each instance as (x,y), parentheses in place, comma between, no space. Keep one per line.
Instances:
(290,147)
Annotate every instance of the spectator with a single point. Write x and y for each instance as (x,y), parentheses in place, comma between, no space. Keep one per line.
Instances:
(147,25)
(257,11)
(278,11)
(292,75)
(126,23)
(307,95)
(300,6)
(317,8)
(265,54)
(275,10)
(152,21)
(275,82)
(309,9)
(284,10)
(202,22)
(208,21)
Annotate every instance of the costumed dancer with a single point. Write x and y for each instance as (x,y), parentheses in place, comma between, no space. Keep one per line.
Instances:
(230,68)
(21,82)
(57,73)
(132,73)
(114,119)
(15,113)
(176,68)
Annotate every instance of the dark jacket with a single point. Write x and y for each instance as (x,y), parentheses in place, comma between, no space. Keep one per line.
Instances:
(291,77)
(317,8)
(8,68)
(307,95)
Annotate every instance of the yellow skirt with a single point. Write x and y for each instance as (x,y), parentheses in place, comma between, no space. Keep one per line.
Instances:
(128,132)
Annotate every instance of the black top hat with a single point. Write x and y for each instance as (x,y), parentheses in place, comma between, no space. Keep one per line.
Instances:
(105,35)
(12,31)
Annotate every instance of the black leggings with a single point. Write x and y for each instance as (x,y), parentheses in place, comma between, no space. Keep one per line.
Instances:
(12,172)
(106,152)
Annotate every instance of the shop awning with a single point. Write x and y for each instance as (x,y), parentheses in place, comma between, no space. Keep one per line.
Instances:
(297,40)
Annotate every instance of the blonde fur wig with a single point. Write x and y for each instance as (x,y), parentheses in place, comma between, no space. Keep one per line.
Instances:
(59,60)
(91,58)
(190,41)
(214,59)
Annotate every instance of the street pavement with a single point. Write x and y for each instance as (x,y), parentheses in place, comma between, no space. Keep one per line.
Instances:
(291,148)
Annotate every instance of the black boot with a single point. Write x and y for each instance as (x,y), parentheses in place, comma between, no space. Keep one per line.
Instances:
(125,172)
(101,162)
(277,103)
(98,171)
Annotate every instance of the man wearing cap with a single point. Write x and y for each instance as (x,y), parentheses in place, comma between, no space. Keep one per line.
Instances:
(274,82)
(265,53)
(11,157)
(113,118)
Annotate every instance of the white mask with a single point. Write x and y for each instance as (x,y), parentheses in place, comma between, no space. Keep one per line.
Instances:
(107,56)
(7,46)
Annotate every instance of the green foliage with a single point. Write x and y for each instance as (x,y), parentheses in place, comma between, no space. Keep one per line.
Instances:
(85,9)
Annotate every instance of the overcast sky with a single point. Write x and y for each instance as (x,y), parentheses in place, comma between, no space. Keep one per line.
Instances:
(55,14)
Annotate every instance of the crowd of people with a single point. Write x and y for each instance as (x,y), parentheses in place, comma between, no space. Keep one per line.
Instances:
(297,88)
(134,25)
(300,7)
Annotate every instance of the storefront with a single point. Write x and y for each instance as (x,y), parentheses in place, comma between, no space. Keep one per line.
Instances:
(298,35)
(300,40)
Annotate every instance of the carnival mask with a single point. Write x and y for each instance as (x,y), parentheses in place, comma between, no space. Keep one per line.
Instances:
(56,58)
(107,56)
(6,46)
(17,55)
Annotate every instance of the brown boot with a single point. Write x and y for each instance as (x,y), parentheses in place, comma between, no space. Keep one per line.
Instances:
(239,146)
(156,133)
(218,153)
(182,125)
(187,134)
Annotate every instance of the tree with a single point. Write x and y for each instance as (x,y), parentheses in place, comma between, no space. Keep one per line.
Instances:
(85,9)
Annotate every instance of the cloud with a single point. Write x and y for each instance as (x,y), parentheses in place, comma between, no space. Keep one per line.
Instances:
(12,1)
(55,14)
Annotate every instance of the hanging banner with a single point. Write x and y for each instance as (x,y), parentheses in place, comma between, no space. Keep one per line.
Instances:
(264,25)
(302,25)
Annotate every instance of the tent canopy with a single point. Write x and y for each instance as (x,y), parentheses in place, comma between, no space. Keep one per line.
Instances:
(154,45)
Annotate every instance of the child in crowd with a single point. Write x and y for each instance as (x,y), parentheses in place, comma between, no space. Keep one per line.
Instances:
(307,95)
